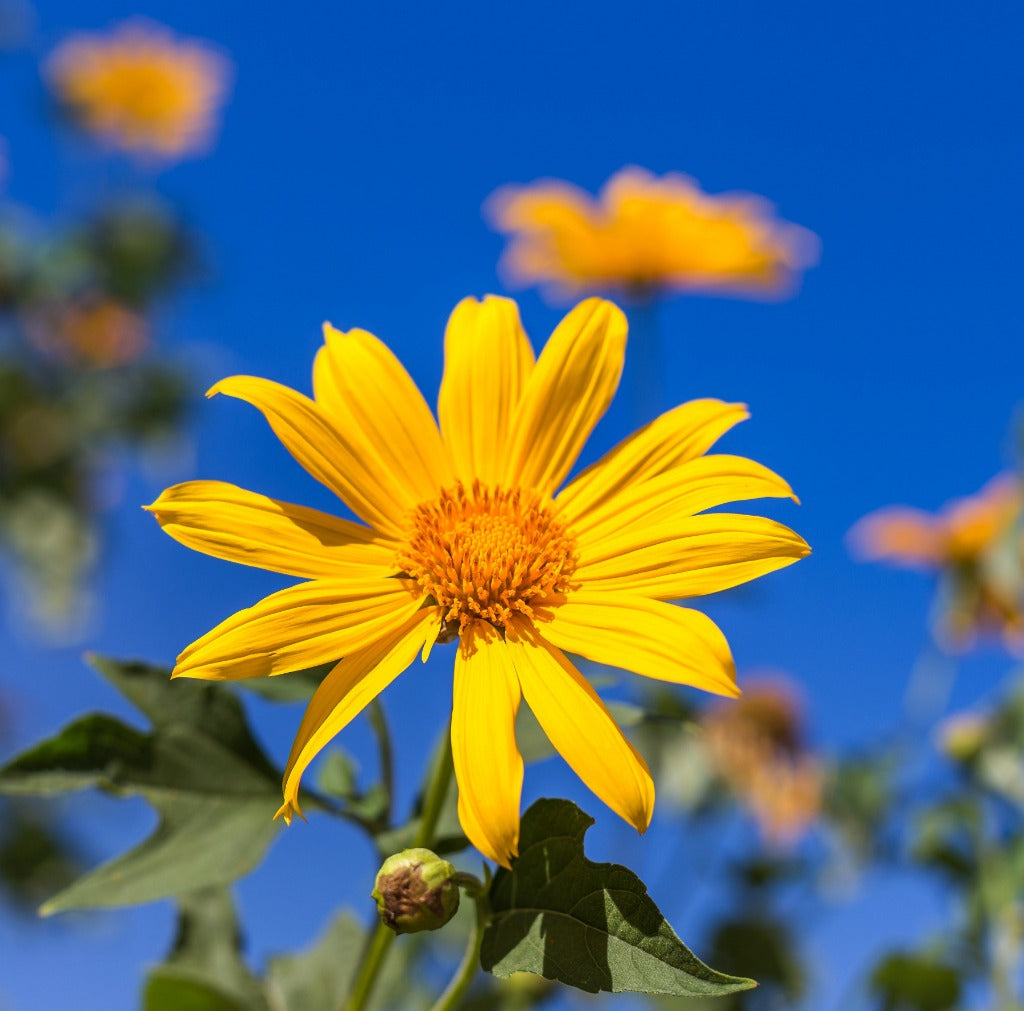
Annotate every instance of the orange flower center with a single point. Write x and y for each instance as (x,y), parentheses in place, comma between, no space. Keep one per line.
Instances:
(489,553)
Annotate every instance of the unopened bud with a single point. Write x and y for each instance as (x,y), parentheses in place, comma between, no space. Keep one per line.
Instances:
(416,890)
(963,736)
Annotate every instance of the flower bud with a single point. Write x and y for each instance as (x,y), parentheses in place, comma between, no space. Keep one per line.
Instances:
(963,736)
(415,891)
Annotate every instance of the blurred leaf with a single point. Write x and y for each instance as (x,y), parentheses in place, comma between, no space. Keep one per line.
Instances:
(858,800)
(296,687)
(320,976)
(907,982)
(137,251)
(534,744)
(200,768)
(36,858)
(943,838)
(764,948)
(205,970)
(338,775)
(589,925)
(449,837)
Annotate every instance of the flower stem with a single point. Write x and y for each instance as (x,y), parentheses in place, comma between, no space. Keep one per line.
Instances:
(379,723)
(433,800)
(437,789)
(459,983)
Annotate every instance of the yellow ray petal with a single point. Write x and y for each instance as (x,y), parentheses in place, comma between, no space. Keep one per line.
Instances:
(566,395)
(300,627)
(228,522)
(487,362)
(346,691)
(682,491)
(364,389)
(580,727)
(488,766)
(647,637)
(679,435)
(690,556)
(327,453)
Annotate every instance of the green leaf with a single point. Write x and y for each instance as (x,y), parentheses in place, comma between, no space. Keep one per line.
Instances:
(339,777)
(200,768)
(205,970)
(592,926)
(319,977)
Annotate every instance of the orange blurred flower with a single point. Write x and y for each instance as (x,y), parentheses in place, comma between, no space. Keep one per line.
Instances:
(975,543)
(140,89)
(91,330)
(644,235)
(756,745)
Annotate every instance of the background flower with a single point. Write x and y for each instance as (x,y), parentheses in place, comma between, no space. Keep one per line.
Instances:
(140,89)
(646,235)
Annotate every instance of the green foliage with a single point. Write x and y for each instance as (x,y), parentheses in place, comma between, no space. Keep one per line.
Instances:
(200,768)
(205,970)
(589,925)
(906,982)
(37,858)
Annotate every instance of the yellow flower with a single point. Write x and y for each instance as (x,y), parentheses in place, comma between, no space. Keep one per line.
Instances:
(466,535)
(756,745)
(974,542)
(140,89)
(645,234)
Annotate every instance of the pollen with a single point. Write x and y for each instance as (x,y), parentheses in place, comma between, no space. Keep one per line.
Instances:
(485,554)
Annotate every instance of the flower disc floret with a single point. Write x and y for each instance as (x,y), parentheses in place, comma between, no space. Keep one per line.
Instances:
(488,553)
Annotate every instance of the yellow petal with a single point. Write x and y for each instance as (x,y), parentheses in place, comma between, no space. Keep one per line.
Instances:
(346,691)
(228,522)
(679,435)
(569,390)
(580,727)
(366,392)
(327,453)
(488,766)
(689,556)
(487,362)
(682,491)
(647,637)
(300,627)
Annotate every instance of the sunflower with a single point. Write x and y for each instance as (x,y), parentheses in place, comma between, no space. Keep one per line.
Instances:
(465,535)
(644,235)
(140,89)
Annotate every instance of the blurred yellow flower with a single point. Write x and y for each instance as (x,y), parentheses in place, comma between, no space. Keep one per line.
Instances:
(466,536)
(140,89)
(90,330)
(645,235)
(756,746)
(974,542)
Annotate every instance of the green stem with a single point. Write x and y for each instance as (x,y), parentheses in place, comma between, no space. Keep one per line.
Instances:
(437,789)
(433,801)
(373,960)
(379,723)
(459,983)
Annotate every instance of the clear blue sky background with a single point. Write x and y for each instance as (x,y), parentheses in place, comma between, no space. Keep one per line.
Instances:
(356,151)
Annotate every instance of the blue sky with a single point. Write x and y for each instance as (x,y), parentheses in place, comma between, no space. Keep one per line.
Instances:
(357,149)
